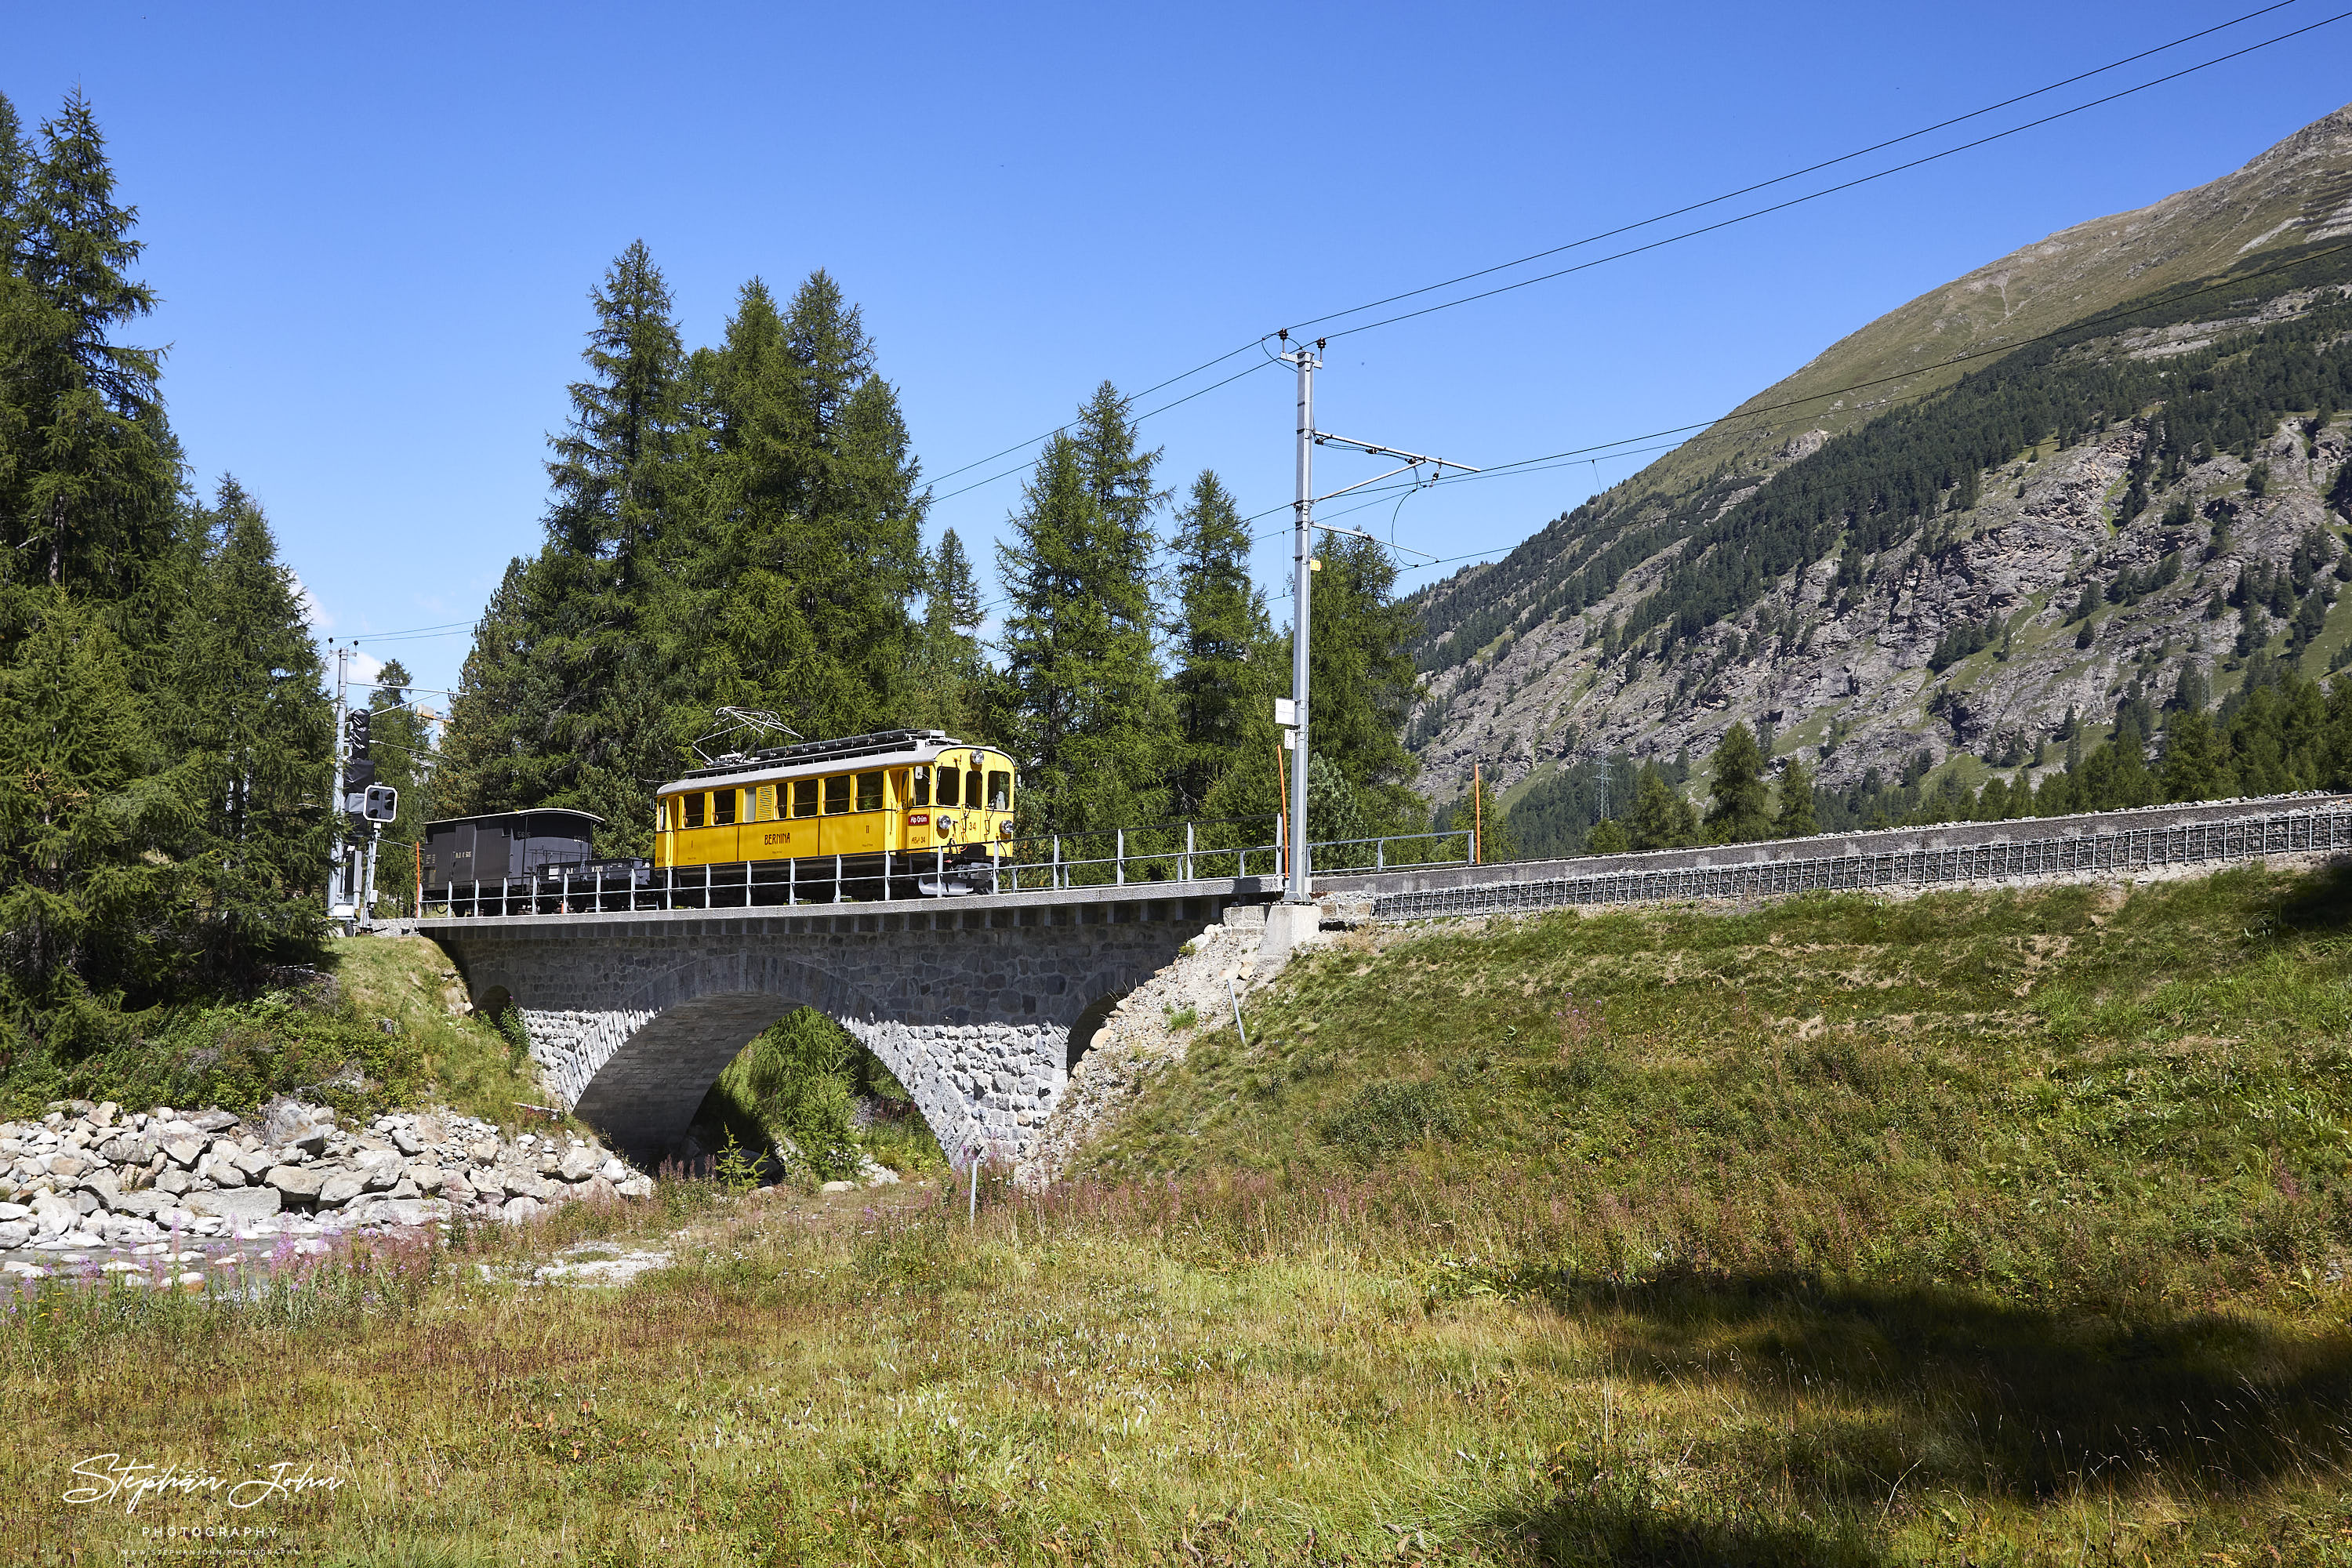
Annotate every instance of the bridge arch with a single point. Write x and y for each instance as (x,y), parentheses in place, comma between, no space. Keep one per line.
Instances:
(639,1072)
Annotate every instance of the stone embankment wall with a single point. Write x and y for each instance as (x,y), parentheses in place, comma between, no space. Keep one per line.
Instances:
(87,1175)
(1154,1025)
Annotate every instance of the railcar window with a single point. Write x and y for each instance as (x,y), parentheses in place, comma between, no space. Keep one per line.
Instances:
(922,787)
(869,792)
(951,784)
(1000,791)
(837,794)
(693,810)
(805,797)
(723,803)
(971,795)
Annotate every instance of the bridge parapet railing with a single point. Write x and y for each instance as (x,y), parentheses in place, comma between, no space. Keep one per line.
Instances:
(754,884)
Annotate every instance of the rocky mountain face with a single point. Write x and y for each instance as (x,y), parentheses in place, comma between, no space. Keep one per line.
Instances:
(1976,561)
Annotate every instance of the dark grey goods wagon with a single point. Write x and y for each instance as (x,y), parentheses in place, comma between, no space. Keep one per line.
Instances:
(507,845)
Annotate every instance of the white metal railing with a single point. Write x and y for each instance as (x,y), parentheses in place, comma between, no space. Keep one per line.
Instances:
(840,880)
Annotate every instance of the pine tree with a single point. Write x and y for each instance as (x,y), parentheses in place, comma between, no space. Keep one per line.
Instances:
(1227,675)
(1796,817)
(1663,819)
(1087,709)
(1739,815)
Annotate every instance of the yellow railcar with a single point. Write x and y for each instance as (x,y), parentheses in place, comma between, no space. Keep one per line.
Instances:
(865,816)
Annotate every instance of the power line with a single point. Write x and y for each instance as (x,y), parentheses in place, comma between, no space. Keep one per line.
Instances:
(1827,191)
(1793,173)
(407,632)
(1137,420)
(1690,208)
(1058,430)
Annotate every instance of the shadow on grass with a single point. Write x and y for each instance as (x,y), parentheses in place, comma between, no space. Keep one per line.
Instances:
(1602,1526)
(1955,1391)
(2320,903)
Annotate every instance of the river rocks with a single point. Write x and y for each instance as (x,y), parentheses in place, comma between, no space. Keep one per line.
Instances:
(341,1188)
(243,1204)
(81,1178)
(296,1182)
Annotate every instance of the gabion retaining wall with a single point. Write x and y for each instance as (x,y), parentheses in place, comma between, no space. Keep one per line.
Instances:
(2066,851)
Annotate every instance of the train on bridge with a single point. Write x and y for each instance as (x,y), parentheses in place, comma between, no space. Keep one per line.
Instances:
(897,814)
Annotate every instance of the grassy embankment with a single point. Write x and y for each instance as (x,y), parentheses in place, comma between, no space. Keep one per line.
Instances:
(326,1040)
(1974,1228)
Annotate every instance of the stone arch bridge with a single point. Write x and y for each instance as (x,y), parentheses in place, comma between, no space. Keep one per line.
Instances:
(972,1003)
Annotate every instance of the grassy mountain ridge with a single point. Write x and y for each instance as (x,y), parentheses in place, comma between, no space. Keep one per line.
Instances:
(1802,572)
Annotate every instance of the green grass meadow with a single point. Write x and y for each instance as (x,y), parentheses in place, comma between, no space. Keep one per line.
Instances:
(1973,1228)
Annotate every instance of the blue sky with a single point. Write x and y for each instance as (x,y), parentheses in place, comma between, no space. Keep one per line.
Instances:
(374,232)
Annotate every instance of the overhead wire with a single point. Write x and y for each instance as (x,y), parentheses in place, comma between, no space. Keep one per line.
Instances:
(1825,191)
(1689,207)
(1794,174)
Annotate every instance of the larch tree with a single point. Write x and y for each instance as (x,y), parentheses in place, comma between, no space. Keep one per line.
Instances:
(1363,679)
(1739,815)
(90,497)
(1663,819)
(1086,708)
(951,688)
(250,728)
(807,551)
(1795,819)
(1228,665)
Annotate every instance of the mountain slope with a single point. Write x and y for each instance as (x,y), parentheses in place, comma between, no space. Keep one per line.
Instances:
(1903,568)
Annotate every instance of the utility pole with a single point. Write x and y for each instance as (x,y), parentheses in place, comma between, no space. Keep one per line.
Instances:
(336,880)
(1299,887)
(1302,561)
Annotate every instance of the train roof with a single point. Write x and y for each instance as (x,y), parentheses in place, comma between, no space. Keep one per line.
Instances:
(808,758)
(588,816)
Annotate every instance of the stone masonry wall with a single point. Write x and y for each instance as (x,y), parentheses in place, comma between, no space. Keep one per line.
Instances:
(969,1003)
